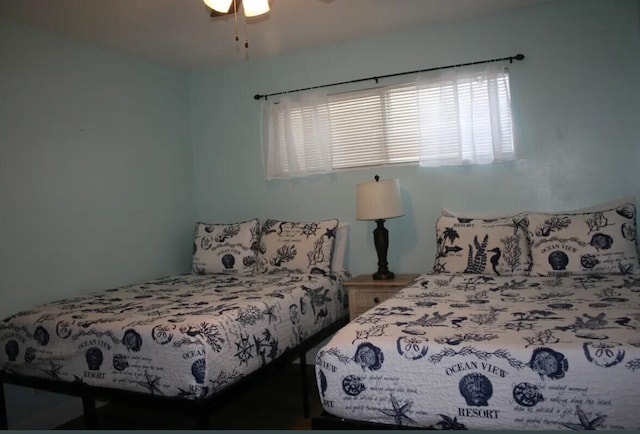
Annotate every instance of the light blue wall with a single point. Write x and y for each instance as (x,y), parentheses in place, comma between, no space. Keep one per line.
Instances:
(576,103)
(100,153)
(95,174)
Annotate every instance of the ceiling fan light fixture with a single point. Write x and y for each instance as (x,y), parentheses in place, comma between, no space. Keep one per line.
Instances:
(221,6)
(253,8)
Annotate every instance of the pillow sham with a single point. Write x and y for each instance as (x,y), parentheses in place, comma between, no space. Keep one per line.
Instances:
(296,247)
(229,248)
(477,246)
(584,243)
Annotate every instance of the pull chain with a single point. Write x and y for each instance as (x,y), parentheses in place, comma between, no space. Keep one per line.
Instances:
(235,16)
(246,33)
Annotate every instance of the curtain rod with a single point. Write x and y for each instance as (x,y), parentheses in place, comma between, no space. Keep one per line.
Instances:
(376,78)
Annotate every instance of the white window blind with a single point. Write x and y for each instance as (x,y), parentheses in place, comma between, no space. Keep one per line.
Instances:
(374,127)
(454,117)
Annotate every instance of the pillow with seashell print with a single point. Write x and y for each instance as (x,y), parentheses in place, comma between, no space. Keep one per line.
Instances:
(300,247)
(496,246)
(602,241)
(227,248)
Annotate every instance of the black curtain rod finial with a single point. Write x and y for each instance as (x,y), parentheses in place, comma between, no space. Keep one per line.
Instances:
(257,96)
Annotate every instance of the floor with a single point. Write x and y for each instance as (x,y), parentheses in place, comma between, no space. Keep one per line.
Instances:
(274,403)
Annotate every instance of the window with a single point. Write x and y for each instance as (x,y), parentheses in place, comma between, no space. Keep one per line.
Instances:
(452,118)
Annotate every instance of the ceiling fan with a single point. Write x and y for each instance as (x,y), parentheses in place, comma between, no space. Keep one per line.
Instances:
(251,8)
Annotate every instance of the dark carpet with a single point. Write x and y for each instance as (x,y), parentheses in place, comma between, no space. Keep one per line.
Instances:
(274,403)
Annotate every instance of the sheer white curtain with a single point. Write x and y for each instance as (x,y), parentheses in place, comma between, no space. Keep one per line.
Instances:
(465,116)
(296,136)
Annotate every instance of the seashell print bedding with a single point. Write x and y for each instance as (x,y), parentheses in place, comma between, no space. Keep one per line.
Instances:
(491,352)
(186,336)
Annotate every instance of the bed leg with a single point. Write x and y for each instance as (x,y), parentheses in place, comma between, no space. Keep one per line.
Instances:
(4,423)
(305,386)
(89,410)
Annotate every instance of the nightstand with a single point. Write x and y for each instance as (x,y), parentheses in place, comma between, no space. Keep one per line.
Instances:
(364,292)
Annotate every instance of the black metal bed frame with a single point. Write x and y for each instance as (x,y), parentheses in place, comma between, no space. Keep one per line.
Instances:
(194,408)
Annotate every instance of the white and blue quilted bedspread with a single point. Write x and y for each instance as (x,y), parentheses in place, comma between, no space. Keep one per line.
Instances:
(490,352)
(186,336)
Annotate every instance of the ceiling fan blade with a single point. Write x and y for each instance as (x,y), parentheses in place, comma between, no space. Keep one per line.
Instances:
(214,13)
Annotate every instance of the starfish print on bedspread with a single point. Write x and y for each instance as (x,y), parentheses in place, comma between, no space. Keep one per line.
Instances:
(585,423)
(53,370)
(151,383)
(448,423)
(398,412)
(271,315)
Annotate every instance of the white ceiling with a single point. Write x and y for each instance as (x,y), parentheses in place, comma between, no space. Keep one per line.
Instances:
(180,33)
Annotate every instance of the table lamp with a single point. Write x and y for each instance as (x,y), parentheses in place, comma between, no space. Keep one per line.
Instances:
(379,200)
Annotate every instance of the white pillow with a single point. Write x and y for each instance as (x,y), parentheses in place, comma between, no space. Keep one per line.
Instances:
(599,242)
(228,248)
(301,247)
(478,246)
(338,259)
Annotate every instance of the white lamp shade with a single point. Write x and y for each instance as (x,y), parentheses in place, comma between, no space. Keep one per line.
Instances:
(221,6)
(254,8)
(379,200)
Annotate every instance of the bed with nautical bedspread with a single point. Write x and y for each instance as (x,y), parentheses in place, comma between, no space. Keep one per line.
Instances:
(530,321)
(256,291)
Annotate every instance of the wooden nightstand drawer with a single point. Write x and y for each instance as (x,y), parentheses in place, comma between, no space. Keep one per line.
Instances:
(365,299)
(365,293)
